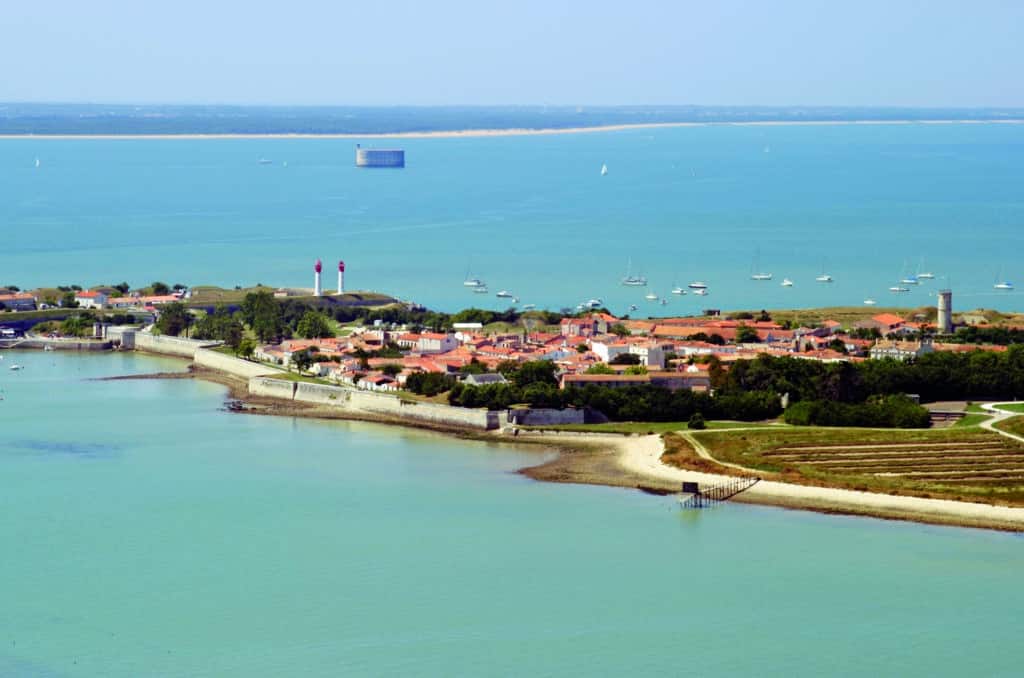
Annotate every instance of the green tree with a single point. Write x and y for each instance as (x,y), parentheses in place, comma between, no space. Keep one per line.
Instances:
(626,359)
(302,360)
(391,369)
(68,300)
(160,288)
(245,348)
(746,335)
(696,422)
(636,370)
(174,319)
(600,368)
(263,314)
(535,372)
(618,329)
(314,325)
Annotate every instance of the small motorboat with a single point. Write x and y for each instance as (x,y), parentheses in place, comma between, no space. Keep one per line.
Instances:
(786,282)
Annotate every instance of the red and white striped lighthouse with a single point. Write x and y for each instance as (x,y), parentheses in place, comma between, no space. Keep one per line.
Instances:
(341,277)
(317,288)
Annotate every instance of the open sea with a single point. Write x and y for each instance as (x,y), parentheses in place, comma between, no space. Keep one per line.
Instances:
(866,204)
(145,531)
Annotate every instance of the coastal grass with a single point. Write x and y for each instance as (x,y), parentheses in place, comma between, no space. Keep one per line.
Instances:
(1014,425)
(972,419)
(966,464)
(680,453)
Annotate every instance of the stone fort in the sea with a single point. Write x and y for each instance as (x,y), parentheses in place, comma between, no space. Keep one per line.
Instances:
(379,157)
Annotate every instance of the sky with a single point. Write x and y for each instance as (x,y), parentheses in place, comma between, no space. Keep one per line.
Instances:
(937,53)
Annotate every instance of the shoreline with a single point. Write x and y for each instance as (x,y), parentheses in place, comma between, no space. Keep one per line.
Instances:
(634,462)
(509,132)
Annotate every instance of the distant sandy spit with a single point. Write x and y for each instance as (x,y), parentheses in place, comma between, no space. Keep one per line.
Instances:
(514,132)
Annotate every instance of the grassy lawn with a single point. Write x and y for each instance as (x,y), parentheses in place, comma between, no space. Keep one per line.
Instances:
(1015,407)
(975,408)
(292,376)
(970,420)
(967,464)
(645,428)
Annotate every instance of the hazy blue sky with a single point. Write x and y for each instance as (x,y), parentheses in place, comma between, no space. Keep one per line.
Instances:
(863,52)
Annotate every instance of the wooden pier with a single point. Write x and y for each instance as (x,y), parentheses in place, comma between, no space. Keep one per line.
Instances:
(710,496)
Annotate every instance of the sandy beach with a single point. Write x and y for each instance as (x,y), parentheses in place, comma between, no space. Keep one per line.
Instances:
(512,132)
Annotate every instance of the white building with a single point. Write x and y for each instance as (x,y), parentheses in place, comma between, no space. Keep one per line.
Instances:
(91,299)
(430,342)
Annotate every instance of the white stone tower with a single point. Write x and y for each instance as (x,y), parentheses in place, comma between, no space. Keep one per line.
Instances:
(945,319)
(318,290)
(341,277)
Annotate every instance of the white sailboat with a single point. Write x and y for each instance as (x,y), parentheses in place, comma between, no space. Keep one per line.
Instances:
(824,278)
(869,302)
(678,290)
(756,273)
(504,294)
(922,273)
(38,163)
(898,289)
(698,285)
(1004,285)
(633,280)
(786,282)
(651,296)
(604,170)
(471,281)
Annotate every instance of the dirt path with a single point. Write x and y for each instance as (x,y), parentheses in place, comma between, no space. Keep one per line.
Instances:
(998,416)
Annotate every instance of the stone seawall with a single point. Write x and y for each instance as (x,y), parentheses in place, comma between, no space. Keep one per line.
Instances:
(545,417)
(57,344)
(376,404)
(433,413)
(272,388)
(177,346)
(244,369)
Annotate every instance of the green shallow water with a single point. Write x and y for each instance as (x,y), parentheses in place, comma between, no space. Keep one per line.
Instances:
(147,532)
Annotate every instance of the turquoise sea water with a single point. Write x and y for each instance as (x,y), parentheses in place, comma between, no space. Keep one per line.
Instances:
(147,532)
(864,203)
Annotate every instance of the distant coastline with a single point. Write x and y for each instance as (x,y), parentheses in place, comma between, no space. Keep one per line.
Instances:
(511,131)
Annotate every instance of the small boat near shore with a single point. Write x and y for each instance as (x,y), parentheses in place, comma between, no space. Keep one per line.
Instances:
(504,294)
(786,282)
(698,285)
(15,368)
(702,292)
(824,278)
(870,302)
(1005,285)
(651,296)
(678,290)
